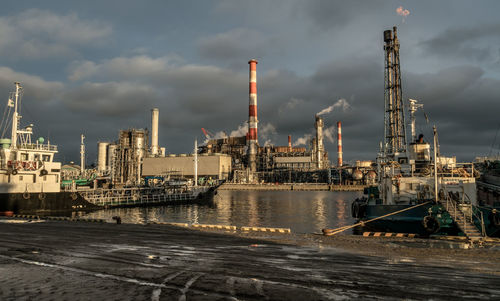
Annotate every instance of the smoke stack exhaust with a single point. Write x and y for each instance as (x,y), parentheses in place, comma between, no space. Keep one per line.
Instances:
(289,143)
(339,144)
(252,117)
(319,141)
(155,116)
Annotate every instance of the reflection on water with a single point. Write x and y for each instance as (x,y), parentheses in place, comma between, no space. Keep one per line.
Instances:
(302,211)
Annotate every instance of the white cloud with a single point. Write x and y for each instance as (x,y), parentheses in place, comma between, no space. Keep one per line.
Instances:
(34,86)
(36,34)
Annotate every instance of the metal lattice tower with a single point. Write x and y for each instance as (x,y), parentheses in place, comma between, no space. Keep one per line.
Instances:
(394,119)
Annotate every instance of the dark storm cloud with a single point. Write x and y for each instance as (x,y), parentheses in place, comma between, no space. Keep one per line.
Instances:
(327,14)
(476,43)
(462,103)
(40,34)
(96,69)
(110,99)
(239,43)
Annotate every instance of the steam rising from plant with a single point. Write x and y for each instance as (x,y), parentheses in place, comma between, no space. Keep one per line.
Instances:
(303,140)
(341,103)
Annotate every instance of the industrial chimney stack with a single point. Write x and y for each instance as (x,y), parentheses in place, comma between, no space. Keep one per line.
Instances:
(289,143)
(339,144)
(319,141)
(252,117)
(155,115)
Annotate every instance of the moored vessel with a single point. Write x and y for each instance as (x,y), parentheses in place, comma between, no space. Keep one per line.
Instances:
(29,176)
(417,192)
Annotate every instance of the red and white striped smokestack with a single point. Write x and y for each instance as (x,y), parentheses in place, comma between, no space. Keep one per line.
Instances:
(289,143)
(339,144)
(252,117)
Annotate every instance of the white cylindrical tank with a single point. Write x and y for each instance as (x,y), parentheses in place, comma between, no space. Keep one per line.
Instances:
(139,146)
(155,116)
(111,155)
(163,151)
(102,156)
(364,164)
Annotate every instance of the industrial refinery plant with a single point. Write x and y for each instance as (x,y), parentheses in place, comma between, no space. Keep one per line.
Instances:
(135,158)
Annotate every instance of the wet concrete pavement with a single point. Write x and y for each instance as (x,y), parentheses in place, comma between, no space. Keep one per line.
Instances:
(87,261)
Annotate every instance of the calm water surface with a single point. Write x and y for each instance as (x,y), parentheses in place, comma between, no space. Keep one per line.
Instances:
(301,211)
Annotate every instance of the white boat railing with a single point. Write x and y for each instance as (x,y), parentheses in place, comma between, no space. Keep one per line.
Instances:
(138,196)
(37,146)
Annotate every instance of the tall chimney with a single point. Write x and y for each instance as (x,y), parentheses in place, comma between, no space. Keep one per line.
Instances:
(252,117)
(289,143)
(319,141)
(155,113)
(339,144)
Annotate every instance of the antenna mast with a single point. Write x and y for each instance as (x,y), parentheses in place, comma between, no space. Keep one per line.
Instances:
(15,117)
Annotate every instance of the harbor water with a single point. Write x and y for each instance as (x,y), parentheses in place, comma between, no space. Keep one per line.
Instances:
(301,211)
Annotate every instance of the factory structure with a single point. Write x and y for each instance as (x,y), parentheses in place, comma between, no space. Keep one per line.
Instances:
(136,157)
(132,160)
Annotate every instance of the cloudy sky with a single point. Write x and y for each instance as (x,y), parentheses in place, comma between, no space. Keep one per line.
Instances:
(95,67)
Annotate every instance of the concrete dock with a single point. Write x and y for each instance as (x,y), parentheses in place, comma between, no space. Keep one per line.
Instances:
(295,186)
(61,260)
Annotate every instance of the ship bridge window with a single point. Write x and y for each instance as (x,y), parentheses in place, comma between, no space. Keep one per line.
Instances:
(46,158)
(24,157)
(37,157)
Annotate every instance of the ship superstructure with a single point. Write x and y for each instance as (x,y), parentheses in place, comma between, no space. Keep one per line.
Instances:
(27,166)
(418,192)
(29,176)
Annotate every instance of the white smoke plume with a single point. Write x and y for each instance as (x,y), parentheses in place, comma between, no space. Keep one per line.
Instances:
(303,140)
(242,130)
(329,133)
(403,12)
(341,103)
(266,130)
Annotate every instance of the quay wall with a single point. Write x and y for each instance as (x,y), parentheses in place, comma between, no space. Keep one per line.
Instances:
(295,186)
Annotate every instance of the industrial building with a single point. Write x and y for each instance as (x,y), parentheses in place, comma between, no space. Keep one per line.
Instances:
(240,159)
(129,159)
(213,166)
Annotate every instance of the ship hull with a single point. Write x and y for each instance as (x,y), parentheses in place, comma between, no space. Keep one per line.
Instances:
(205,197)
(411,221)
(20,203)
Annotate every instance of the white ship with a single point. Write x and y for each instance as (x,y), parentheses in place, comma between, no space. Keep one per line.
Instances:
(29,176)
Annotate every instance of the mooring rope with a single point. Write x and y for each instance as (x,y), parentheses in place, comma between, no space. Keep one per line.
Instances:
(330,232)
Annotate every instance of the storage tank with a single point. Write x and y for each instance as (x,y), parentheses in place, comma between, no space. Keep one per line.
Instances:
(102,156)
(111,155)
(357,175)
(371,177)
